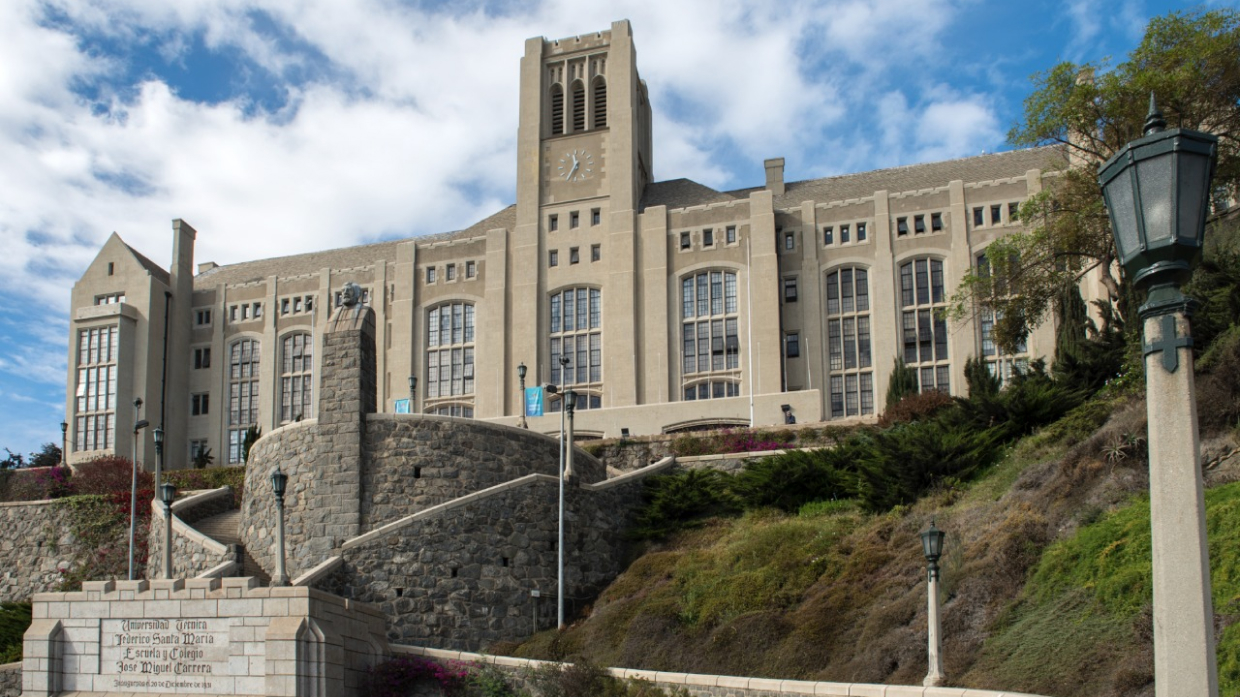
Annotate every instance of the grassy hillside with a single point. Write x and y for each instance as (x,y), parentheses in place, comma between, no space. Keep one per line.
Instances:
(1046,580)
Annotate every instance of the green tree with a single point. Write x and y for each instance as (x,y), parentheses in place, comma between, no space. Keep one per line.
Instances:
(48,456)
(979,378)
(902,384)
(252,434)
(1191,62)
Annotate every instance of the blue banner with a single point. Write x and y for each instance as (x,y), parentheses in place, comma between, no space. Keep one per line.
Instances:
(533,401)
(402,406)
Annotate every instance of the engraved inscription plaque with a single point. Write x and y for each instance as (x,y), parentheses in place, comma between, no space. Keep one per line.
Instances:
(165,655)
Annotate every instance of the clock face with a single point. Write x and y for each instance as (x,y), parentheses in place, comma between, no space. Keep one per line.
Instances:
(576,165)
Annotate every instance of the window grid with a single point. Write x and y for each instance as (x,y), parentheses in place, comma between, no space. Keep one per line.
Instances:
(576,332)
(923,300)
(849,353)
(450,354)
(296,377)
(710,335)
(1003,365)
(95,422)
(243,391)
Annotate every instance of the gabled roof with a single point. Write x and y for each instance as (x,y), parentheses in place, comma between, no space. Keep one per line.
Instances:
(154,269)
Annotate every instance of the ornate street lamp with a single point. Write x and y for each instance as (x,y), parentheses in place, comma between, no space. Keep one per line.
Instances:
(932,547)
(159,456)
(521,376)
(279,482)
(138,425)
(570,407)
(1157,193)
(167,494)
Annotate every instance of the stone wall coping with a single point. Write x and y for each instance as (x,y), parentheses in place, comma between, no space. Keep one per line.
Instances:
(392,527)
(765,685)
(319,571)
(304,423)
(180,527)
(41,502)
(193,589)
(201,497)
(503,428)
(637,474)
(219,571)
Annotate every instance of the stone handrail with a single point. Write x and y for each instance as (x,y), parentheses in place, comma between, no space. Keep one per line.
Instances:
(224,570)
(318,572)
(730,684)
(180,527)
(655,468)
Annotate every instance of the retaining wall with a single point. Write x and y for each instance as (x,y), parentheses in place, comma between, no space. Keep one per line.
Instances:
(36,545)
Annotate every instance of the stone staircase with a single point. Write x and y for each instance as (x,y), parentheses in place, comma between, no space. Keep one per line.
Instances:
(225,528)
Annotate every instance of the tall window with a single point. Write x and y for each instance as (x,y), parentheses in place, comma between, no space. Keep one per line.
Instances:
(710,335)
(296,373)
(576,333)
(243,360)
(848,342)
(95,422)
(557,110)
(600,103)
(579,107)
(925,330)
(450,359)
(1004,365)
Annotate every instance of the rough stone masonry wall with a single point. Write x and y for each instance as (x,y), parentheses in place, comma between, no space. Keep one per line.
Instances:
(295,449)
(415,462)
(461,577)
(37,542)
(192,552)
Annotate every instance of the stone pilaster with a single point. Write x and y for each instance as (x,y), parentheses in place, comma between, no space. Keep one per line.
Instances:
(346,395)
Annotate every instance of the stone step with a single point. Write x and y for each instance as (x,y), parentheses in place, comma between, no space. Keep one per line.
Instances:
(224,528)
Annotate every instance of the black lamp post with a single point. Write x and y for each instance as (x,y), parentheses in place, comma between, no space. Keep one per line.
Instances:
(1157,194)
(64,443)
(279,482)
(521,376)
(932,547)
(167,494)
(159,456)
(138,425)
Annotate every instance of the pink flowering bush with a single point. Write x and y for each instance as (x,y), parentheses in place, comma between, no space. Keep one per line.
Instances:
(398,676)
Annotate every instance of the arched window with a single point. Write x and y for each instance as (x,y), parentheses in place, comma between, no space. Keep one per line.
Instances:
(243,360)
(557,110)
(576,332)
(296,377)
(922,300)
(848,342)
(579,107)
(450,356)
(599,108)
(710,335)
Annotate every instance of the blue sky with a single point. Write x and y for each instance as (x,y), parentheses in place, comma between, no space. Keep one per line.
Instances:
(283,126)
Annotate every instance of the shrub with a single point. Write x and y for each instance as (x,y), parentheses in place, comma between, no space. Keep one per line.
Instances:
(915,407)
(210,478)
(397,677)
(40,484)
(489,681)
(585,679)
(676,501)
(979,378)
(109,475)
(903,382)
(791,480)
(14,621)
(897,465)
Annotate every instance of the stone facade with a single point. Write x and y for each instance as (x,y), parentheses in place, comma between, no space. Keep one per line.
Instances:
(203,636)
(193,553)
(37,544)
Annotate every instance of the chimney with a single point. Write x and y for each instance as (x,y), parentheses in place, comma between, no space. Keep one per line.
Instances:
(775,175)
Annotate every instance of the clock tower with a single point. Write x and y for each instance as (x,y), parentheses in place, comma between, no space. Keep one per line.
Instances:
(584,157)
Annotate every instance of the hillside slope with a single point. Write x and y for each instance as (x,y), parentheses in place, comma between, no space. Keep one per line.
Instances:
(1045,584)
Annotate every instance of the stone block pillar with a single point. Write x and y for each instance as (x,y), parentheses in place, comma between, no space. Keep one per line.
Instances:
(346,396)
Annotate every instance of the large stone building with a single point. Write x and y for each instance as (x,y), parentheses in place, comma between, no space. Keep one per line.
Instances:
(677,305)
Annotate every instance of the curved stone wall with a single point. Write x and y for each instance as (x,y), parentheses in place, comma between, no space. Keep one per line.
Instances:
(193,553)
(409,463)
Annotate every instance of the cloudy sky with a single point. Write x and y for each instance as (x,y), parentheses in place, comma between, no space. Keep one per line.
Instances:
(284,126)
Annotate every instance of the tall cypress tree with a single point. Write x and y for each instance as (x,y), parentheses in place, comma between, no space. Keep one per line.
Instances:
(903,382)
